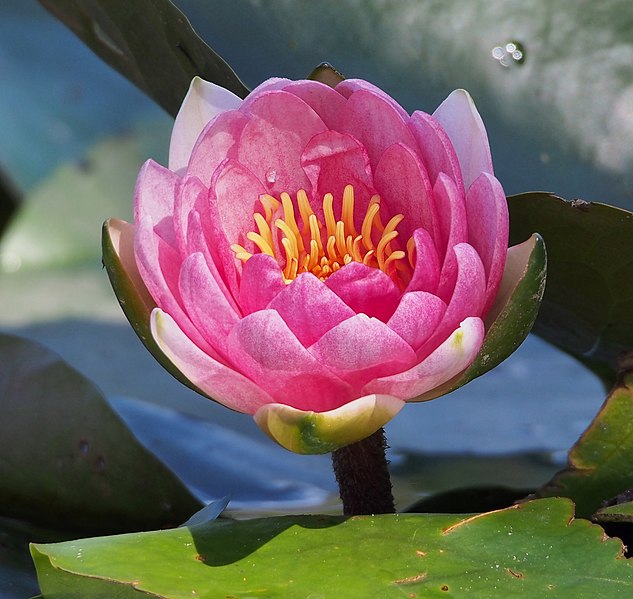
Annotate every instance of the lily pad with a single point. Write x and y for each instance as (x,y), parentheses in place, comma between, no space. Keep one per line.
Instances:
(148,41)
(526,550)
(587,309)
(601,462)
(68,458)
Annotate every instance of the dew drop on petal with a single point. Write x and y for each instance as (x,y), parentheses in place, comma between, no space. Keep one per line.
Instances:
(271,175)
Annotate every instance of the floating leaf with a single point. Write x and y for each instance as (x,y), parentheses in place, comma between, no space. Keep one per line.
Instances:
(601,462)
(526,550)
(67,457)
(148,41)
(587,309)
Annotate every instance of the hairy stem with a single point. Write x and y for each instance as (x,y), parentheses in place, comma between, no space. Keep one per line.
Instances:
(362,475)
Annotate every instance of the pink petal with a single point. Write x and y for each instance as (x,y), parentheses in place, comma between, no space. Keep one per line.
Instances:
(203,101)
(220,382)
(310,308)
(467,299)
(261,282)
(453,224)
(205,303)
(272,142)
(402,182)
(265,349)
(426,274)
(190,195)
(348,86)
(461,121)
(488,228)
(366,290)
(417,316)
(272,84)
(449,359)
(154,199)
(436,148)
(217,142)
(375,123)
(159,266)
(362,348)
(234,199)
(325,101)
(332,160)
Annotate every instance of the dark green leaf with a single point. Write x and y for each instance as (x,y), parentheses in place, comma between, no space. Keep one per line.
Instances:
(587,309)
(67,457)
(530,550)
(601,462)
(148,41)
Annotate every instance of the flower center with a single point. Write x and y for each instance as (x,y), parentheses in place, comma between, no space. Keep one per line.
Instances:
(324,248)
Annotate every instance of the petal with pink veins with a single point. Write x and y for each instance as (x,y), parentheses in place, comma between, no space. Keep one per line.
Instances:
(366,290)
(467,299)
(205,303)
(461,121)
(417,316)
(159,266)
(217,142)
(361,348)
(324,100)
(436,148)
(263,347)
(451,211)
(154,199)
(375,123)
(404,187)
(280,125)
(488,228)
(261,282)
(203,102)
(220,382)
(271,84)
(348,86)
(310,308)
(426,270)
(449,359)
(332,160)
(309,432)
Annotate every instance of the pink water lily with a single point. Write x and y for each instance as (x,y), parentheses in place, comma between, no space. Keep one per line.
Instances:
(316,256)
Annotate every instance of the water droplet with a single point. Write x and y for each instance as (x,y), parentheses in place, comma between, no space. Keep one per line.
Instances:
(510,54)
(271,175)
(84,447)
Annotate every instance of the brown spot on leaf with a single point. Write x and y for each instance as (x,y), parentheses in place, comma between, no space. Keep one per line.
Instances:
(514,573)
(420,553)
(444,587)
(201,558)
(411,579)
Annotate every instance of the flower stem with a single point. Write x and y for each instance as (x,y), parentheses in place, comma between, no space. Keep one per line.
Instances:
(363,476)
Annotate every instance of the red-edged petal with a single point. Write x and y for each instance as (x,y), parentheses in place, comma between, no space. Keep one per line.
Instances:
(310,308)
(361,348)
(365,290)
(261,282)
(222,383)
(265,350)
(417,316)
(280,125)
(488,229)
(449,359)
(203,102)
(461,121)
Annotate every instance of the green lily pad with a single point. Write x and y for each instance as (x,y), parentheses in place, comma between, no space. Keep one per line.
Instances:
(587,309)
(68,458)
(601,462)
(60,220)
(623,512)
(530,549)
(148,41)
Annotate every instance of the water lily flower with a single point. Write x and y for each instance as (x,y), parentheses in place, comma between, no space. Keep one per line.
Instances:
(317,257)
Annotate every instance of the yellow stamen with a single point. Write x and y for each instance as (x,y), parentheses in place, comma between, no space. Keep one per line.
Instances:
(324,249)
